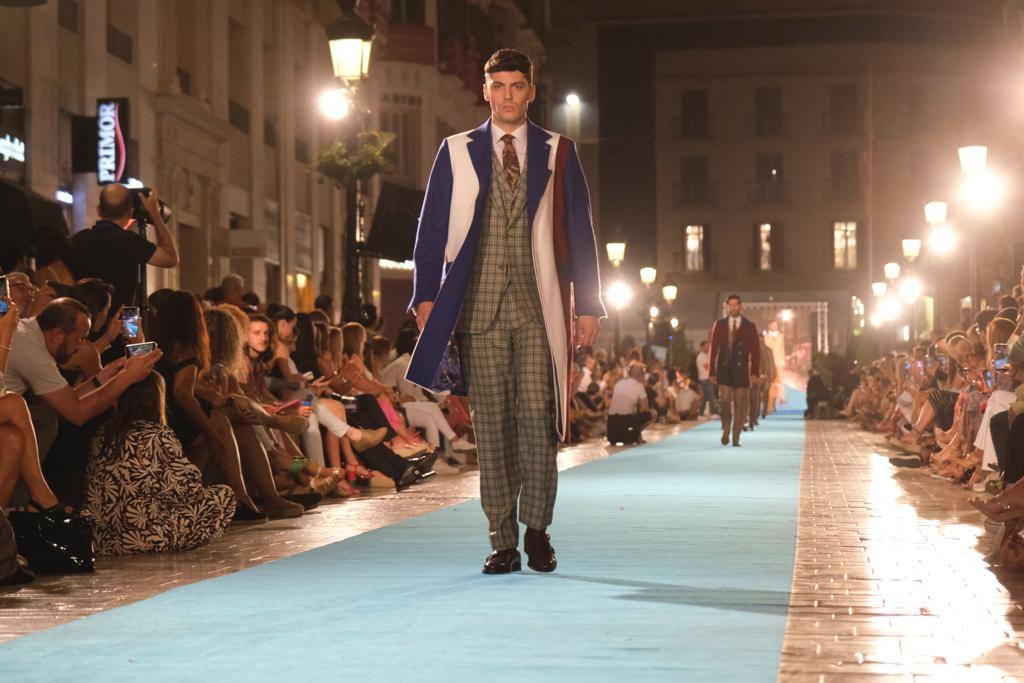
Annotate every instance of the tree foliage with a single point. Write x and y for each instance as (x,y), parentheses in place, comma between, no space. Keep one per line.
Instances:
(365,155)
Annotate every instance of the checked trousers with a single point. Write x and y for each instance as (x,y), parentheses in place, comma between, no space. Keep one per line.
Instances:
(507,369)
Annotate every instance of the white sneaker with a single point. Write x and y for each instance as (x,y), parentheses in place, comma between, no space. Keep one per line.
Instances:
(463,444)
(443,468)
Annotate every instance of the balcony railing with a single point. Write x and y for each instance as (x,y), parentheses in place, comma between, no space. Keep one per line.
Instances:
(767,191)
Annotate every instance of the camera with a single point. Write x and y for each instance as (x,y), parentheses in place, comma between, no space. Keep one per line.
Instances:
(139,212)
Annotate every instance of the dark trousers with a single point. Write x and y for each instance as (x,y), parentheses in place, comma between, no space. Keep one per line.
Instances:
(384,460)
(368,415)
(627,428)
(1008,441)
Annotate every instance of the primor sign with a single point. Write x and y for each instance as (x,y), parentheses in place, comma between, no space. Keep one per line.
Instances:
(112,119)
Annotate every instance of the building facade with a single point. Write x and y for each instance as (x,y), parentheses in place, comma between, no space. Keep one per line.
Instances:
(784,151)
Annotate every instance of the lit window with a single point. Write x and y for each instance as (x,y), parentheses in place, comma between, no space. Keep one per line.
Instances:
(694,241)
(764,235)
(845,244)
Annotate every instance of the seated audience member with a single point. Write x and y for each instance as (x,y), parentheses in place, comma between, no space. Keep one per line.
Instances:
(422,410)
(657,397)
(53,252)
(234,288)
(588,417)
(214,296)
(113,253)
(19,453)
(251,301)
(817,392)
(107,328)
(142,492)
(52,338)
(687,403)
(629,412)
(23,293)
(326,304)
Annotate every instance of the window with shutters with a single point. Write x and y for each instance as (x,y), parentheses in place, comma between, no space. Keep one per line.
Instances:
(693,248)
(844,245)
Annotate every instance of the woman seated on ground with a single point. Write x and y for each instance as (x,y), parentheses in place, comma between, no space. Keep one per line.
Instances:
(279,425)
(19,452)
(355,379)
(420,411)
(939,410)
(143,493)
(180,331)
(341,439)
(959,456)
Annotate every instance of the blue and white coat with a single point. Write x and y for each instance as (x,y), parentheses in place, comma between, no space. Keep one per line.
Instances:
(448,234)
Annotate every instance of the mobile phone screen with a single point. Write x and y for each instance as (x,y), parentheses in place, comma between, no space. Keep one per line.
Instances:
(130,321)
(1000,353)
(988,376)
(139,349)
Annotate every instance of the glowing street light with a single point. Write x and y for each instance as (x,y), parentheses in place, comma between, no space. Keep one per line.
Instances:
(973,159)
(674,323)
(879,288)
(648,274)
(909,289)
(890,308)
(786,314)
(942,239)
(876,319)
(911,249)
(669,292)
(891,270)
(653,311)
(572,99)
(335,103)
(351,41)
(981,191)
(616,252)
(935,212)
(619,294)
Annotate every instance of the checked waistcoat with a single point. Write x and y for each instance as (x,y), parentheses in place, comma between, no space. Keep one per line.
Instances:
(503,272)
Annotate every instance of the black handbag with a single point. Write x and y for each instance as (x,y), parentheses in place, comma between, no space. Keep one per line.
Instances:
(55,542)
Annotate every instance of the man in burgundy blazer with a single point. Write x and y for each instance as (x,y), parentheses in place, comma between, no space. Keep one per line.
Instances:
(735,364)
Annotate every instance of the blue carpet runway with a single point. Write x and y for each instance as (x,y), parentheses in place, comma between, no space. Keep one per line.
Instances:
(675,564)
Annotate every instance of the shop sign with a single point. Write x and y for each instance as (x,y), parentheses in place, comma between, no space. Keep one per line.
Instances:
(12,148)
(111,132)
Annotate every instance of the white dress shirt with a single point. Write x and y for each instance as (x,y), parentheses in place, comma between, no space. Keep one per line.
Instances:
(519,143)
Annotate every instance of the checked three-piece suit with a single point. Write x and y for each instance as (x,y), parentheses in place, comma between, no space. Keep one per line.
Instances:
(508,267)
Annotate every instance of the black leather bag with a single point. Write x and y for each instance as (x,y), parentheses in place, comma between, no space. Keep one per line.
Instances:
(55,542)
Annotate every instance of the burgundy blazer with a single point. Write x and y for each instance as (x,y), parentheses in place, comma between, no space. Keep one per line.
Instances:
(735,371)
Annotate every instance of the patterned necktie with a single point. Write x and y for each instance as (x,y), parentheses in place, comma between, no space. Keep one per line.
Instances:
(509,160)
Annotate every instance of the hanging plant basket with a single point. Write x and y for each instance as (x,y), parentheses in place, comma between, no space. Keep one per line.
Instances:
(366,155)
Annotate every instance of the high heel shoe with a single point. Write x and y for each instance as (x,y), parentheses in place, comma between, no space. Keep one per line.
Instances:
(326,480)
(995,510)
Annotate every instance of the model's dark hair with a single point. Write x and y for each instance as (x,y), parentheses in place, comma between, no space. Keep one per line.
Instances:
(179,326)
(50,244)
(510,59)
(61,314)
(143,401)
(95,293)
(733,296)
(305,354)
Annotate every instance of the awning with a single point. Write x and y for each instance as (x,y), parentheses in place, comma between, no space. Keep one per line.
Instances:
(23,211)
(394,222)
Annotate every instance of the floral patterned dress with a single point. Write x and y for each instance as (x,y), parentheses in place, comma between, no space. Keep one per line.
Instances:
(146,497)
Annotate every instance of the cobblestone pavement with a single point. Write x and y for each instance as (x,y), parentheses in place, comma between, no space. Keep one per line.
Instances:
(119,581)
(890,581)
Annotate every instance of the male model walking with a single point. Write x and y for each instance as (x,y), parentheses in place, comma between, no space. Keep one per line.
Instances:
(506,267)
(735,360)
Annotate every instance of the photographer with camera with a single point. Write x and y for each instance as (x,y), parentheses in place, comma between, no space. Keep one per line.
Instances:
(111,251)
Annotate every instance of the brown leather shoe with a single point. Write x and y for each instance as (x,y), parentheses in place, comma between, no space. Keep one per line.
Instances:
(539,551)
(503,562)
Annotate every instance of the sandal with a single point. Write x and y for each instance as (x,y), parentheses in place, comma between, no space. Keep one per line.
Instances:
(325,480)
(995,510)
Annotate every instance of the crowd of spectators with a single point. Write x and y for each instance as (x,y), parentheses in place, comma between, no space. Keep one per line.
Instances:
(950,406)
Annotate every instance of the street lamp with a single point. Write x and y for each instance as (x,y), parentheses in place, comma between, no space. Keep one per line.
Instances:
(572,99)
(941,239)
(879,288)
(669,292)
(619,294)
(891,270)
(351,42)
(616,252)
(654,312)
(911,249)
(909,289)
(973,158)
(935,212)
(648,274)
